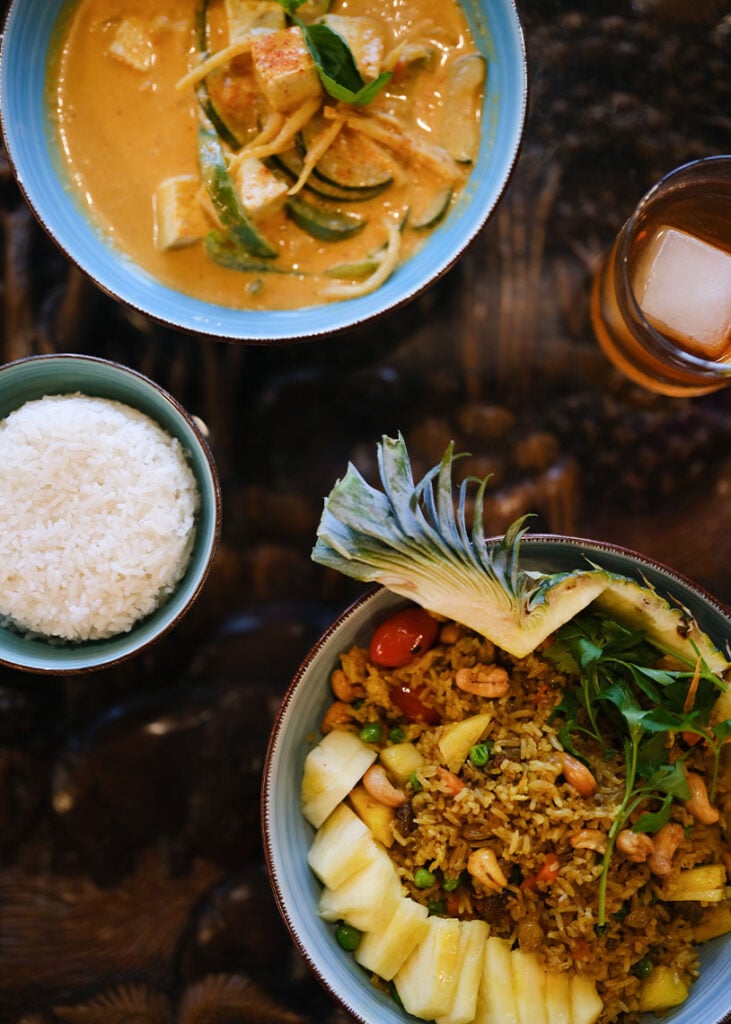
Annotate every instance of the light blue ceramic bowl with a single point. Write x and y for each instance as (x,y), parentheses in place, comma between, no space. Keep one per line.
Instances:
(32,150)
(287,836)
(32,378)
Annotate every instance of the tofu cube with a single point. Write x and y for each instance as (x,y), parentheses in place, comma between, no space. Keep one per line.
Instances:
(179,217)
(253,17)
(132,46)
(284,69)
(259,191)
(364,39)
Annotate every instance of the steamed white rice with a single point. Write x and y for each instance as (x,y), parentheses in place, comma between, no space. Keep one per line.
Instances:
(97,517)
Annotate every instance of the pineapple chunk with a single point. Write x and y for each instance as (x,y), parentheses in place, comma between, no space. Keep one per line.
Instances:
(377,816)
(132,46)
(716,921)
(367,899)
(401,760)
(585,1002)
(704,884)
(426,983)
(457,738)
(364,39)
(663,989)
(331,770)
(342,846)
(253,17)
(259,190)
(472,939)
(179,217)
(285,71)
(529,984)
(496,997)
(558,998)
(385,951)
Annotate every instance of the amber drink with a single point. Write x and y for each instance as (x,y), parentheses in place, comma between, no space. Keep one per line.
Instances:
(661,302)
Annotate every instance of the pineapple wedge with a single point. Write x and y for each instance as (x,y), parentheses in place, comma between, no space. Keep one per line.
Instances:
(385,951)
(496,1000)
(472,939)
(558,998)
(427,981)
(529,985)
(369,898)
(457,738)
(342,846)
(585,1002)
(716,921)
(401,760)
(331,770)
(376,816)
(703,884)
(663,989)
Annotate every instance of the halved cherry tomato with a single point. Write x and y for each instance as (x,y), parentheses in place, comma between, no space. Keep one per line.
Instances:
(412,706)
(402,637)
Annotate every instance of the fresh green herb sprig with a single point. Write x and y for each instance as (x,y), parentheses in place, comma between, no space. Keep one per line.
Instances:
(334,60)
(641,706)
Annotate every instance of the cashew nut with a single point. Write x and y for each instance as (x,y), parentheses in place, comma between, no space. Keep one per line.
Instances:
(667,840)
(344,688)
(699,805)
(377,784)
(636,846)
(338,714)
(489,681)
(483,866)
(577,774)
(589,839)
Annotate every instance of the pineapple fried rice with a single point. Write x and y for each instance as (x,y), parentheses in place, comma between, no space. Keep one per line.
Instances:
(517,800)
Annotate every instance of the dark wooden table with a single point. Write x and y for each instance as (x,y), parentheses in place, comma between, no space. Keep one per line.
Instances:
(132,883)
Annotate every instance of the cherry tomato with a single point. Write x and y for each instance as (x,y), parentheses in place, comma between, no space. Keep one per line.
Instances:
(412,706)
(402,637)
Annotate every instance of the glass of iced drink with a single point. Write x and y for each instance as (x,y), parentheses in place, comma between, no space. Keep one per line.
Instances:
(661,301)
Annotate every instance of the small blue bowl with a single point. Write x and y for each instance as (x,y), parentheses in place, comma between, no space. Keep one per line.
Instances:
(32,378)
(287,836)
(33,152)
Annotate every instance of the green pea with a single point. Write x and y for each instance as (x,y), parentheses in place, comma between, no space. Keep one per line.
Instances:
(436,907)
(397,734)
(423,879)
(414,782)
(643,968)
(450,884)
(347,937)
(480,754)
(371,732)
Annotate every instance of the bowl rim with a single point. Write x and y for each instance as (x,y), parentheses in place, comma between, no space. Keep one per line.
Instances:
(667,576)
(122,280)
(209,471)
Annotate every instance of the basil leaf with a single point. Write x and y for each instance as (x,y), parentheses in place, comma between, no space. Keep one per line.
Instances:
(363,96)
(333,57)
(291,6)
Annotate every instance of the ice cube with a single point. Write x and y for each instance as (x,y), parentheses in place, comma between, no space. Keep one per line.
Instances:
(683,286)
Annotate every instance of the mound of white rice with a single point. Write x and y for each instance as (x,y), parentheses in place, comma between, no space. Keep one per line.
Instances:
(97,517)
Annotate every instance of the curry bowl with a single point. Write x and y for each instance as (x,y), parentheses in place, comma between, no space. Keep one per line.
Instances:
(288,836)
(62,205)
(115,514)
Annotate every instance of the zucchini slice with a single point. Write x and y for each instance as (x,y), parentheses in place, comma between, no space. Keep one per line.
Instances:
(459,131)
(429,213)
(202,94)
(290,164)
(353,162)
(326,225)
(220,188)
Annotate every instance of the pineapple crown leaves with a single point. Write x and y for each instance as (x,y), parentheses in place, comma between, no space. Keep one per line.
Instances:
(413,532)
